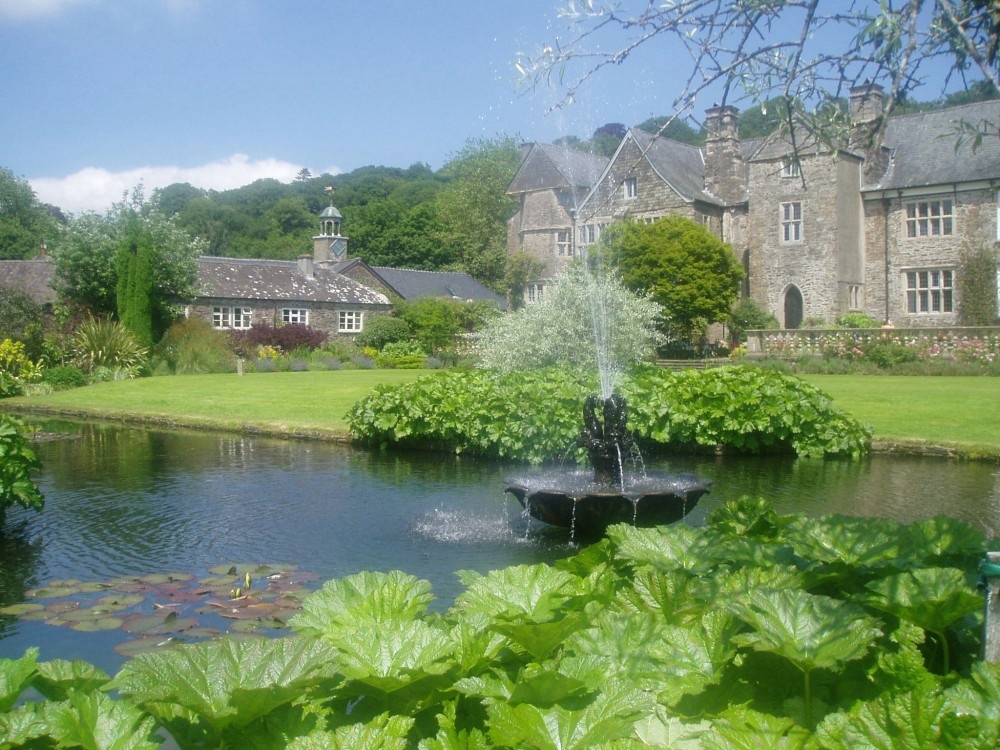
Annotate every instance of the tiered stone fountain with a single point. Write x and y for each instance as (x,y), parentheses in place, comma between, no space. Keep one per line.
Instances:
(588,502)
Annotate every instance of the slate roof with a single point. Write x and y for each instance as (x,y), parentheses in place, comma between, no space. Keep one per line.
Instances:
(280,280)
(679,165)
(412,284)
(923,148)
(34,277)
(549,167)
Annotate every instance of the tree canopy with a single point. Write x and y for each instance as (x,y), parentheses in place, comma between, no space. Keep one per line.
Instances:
(25,224)
(682,266)
(90,255)
(808,53)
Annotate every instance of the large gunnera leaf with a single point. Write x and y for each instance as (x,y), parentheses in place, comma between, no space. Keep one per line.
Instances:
(227,682)
(345,604)
(15,677)
(94,721)
(389,656)
(536,592)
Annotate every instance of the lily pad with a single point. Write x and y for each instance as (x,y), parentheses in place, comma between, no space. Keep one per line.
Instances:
(158,578)
(158,624)
(143,646)
(51,592)
(92,626)
(21,609)
(121,600)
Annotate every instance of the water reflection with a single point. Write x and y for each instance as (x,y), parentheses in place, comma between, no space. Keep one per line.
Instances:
(122,501)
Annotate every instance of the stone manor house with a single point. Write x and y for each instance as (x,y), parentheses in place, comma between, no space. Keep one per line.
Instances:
(820,234)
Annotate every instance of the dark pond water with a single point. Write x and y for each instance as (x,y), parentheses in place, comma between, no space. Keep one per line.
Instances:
(123,503)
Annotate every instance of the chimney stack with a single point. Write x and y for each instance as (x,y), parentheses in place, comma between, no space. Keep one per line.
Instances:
(724,166)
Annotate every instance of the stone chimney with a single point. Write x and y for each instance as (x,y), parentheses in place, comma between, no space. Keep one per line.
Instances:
(866,114)
(725,170)
(866,102)
(306,266)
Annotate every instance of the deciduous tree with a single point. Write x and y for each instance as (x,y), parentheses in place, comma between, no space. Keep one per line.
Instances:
(685,268)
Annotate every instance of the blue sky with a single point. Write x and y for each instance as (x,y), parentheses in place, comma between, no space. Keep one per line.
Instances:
(99,95)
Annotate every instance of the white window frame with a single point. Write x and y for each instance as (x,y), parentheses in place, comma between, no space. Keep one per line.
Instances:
(934,218)
(929,291)
(238,318)
(791,168)
(791,222)
(533,293)
(350,321)
(295,316)
(564,242)
(630,188)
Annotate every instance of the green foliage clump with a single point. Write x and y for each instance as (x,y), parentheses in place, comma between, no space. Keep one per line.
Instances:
(380,330)
(584,322)
(16,369)
(747,315)
(681,265)
(536,416)
(858,320)
(64,377)
(22,319)
(977,286)
(17,462)
(754,630)
(135,288)
(100,344)
(438,324)
(193,346)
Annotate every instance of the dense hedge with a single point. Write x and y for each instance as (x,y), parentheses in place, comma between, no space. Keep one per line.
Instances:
(536,416)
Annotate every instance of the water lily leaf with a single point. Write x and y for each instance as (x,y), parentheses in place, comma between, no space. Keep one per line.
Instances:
(344,603)
(60,608)
(121,600)
(93,626)
(158,578)
(219,580)
(23,608)
(51,592)
(56,678)
(227,682)
(146,645)
(610,716)
(93,721)
(810,631)
(16,676)
(157,624)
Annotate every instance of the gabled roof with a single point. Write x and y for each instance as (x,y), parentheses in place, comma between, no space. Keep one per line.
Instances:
(279,280)
(925,150)
(679,165)
(411,284)
(33,277)
(549,167)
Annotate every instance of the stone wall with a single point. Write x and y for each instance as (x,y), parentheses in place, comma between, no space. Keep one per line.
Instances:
(322,316)
(826,259)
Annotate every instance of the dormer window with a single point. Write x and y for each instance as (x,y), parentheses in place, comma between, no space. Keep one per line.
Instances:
(791,168)
(630,188)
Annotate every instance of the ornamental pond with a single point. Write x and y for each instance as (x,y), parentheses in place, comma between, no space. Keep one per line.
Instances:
(150,537)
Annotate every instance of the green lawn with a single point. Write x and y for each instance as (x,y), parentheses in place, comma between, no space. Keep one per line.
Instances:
(956,411)
(961,411)
(283,402)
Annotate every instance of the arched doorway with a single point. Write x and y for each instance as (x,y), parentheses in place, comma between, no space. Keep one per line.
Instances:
(793,307)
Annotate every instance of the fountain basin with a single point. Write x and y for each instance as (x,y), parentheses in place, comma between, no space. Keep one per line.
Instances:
(575,501)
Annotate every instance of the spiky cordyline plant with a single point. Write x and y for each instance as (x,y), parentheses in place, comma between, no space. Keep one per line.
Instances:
(106,343)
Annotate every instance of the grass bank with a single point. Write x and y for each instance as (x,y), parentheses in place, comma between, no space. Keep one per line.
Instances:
(284,403)
(961,414)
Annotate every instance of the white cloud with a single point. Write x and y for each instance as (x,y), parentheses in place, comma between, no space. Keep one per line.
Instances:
(95,189)
(34,8)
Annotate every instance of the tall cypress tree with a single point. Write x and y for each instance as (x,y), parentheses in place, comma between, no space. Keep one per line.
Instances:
(135,288)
